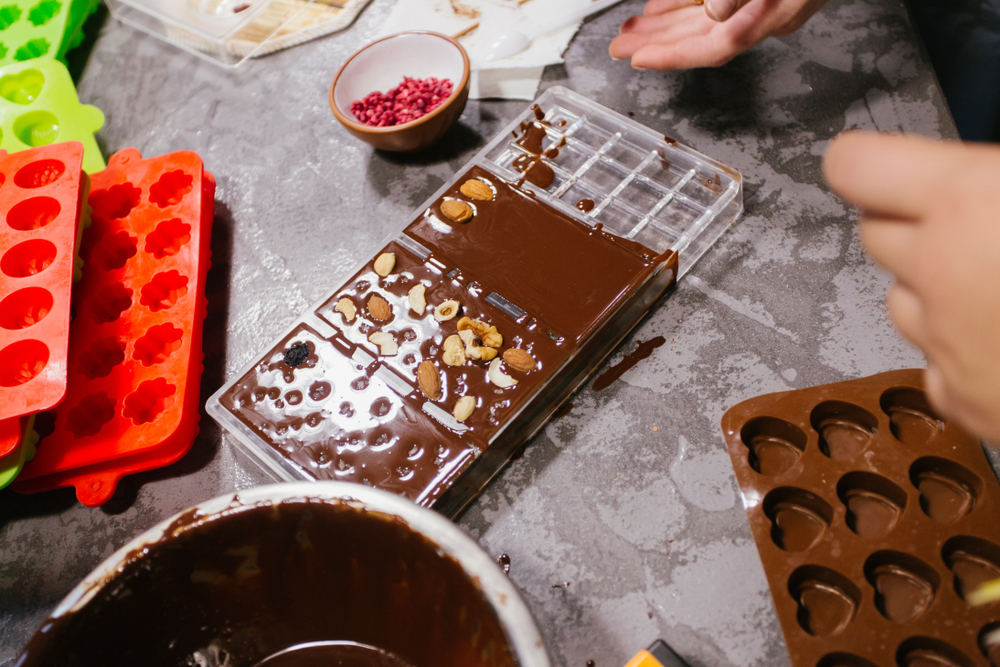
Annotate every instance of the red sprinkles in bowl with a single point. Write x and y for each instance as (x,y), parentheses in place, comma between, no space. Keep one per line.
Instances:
(406,102)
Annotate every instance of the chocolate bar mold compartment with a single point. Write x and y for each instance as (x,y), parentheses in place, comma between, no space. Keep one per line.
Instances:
(827,600)
(930,652)
(973,561)
(948,490)
(904,585)
(874,504)
(911,418)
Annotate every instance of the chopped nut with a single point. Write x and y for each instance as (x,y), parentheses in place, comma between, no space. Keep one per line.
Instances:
(446,311)
(417,301)
(386,343)
(346,306)
(464,408)
(474,347)
(454,351)
(429,380)
(456,211)
(385,263)
(498,377)
(519,360)
(379,308)
(477,189)
(486,332)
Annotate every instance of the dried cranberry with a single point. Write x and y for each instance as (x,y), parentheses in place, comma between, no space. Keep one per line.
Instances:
(408,101)
(296,354)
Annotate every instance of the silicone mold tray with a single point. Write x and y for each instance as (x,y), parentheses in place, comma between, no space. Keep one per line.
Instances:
(42,196)
(17,439)
(39,106)
(561,285)
(873,518)
(35,28)
(135,363)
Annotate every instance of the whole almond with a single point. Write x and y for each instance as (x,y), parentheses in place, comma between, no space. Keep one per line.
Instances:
(428,380)
(464,408)
(385,263)
(477,189)
(346,306)
(456,211)
(519,360)
(379,308)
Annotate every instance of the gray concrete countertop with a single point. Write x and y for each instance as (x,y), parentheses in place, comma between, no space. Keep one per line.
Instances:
(631,497)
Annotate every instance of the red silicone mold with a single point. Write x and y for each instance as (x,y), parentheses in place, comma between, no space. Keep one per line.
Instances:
(136,361)
(42,194)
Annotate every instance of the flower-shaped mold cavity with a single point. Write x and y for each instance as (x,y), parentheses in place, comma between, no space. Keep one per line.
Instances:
(989,643)
(114,203)
(22,361)
(8,15)
(163,291)
(874,503)
(90,415)
(33,213)
(34,48)
(929,652)
(948,491)
(843,660)
(157,344)
(845,429)
(167,238)
(114,250)
(170,189)
(38,174)
(23,87)
(24,308)
(775,445)
(37,128)
(98,360)
(911,418)
(148,401)
(798,518)
(109,304)
(43,12)
(28,258)
(827,600)
(904,585)
(973,561)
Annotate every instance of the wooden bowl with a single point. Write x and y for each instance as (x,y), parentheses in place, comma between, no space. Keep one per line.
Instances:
(381,66)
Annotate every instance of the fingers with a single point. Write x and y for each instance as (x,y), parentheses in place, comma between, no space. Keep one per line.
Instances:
(638,32)
(891,243)
(907,313)
(722,10)
(656,7)
(892,176)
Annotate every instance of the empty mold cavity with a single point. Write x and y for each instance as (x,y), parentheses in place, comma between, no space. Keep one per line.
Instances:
(25,308)
(798,517)
(157,344)
(163,290)
(38,174)
(98,360)
(911,418)
(929,652)
(827,600)
(34,48)
(8,15)
(989,643)
(114,250)
(148,401)
(22,361)
(948,491)
(33,213)
(845,429)
(775,445)
(167,238)
(44,12)
(904,585)
(114,203)
(38,128)
(170,188)
(23,87)
(844,660)
(973,562)
(90,415)
(874,503)
(108,304)
(28,258)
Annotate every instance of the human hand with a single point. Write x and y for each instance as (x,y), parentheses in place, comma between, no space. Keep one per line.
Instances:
(931,216)
(678,34)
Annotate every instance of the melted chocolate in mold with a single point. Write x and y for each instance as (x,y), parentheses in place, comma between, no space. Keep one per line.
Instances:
(333,654)
(608,377)
(585,205)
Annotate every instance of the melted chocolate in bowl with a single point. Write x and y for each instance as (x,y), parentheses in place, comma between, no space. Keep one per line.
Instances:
(241,586)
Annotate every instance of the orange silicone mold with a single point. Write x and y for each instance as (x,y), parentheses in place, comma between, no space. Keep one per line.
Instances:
(42,194)
(136,361)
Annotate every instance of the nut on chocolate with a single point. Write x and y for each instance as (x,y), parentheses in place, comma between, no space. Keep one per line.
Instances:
(487,333)
(386,343)
(417,300)
(456,210)
(519,360)
(346,307)
(385,263)
(498,377)
(454,351)
(474,347)
(464,408)
(428,380)
(477,189)
(379,308)
(446,311)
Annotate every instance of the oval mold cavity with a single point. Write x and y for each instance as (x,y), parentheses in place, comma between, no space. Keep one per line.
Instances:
(911,419)
(904,585)
(827,600)
(874,503)
(774,444)
(948,491)
(798,517)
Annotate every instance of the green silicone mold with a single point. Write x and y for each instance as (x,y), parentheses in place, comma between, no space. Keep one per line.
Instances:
(41,28)
(39,106)
(11,464)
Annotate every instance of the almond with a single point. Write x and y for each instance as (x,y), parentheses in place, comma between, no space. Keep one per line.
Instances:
(346,306)
(446,311)
(454,351)
(519,360)
(386,343)
(456,210)
(379,308)
(428,380)
(385,263)
(417,300)
(464,408)
(477,189)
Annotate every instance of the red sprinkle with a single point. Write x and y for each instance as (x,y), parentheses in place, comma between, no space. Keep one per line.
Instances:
(406,102)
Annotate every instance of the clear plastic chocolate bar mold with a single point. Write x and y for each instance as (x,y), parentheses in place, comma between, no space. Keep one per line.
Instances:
(575,221)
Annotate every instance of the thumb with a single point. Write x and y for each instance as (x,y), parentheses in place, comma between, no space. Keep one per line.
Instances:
(721,10)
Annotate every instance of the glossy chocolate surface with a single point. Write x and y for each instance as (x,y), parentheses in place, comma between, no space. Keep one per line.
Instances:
(873,518)
(239,587)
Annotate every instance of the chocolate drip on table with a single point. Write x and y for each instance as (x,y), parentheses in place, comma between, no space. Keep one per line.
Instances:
(608,377)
